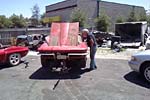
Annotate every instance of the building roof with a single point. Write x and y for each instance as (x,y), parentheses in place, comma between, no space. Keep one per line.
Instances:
(60,5)
(74,2)
(138,22)
(121,4)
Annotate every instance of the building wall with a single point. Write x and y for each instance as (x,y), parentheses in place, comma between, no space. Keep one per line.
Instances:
(59,5)
(89,7)
(115,10)
(63,9)
(64,14)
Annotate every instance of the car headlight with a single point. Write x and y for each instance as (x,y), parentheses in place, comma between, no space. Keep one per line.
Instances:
(133,58)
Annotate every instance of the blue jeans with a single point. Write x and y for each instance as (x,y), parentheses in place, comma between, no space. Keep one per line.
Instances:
(92,57)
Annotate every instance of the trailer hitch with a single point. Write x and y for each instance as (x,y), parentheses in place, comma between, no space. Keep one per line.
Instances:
(63,70)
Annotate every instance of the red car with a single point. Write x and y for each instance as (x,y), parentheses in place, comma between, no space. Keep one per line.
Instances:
(12,55)
(63,48)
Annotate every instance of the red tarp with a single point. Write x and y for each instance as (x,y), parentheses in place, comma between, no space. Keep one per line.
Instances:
(63,38)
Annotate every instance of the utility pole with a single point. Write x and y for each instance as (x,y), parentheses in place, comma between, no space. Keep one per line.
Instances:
(98,1)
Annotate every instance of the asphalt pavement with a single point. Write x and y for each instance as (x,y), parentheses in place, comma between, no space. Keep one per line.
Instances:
(113,80)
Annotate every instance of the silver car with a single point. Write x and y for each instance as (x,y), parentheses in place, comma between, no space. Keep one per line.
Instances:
(147,44)
(140,62)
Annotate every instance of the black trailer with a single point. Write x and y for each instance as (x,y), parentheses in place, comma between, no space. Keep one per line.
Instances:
(131,32)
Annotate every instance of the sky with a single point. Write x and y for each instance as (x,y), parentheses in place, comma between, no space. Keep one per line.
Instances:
(9,7)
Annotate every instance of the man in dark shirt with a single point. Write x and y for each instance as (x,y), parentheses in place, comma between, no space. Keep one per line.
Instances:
(89,38)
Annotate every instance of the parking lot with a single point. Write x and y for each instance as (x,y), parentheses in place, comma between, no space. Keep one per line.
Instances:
(113,80)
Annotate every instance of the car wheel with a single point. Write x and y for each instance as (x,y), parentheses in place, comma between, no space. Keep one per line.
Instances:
(14,59)
(146,71)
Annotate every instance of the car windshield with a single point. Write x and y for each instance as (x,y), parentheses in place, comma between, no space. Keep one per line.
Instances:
(29,38)
(22,36)
(35,38)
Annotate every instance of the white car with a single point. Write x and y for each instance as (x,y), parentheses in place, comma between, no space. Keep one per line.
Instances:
(140,62)
(147,44)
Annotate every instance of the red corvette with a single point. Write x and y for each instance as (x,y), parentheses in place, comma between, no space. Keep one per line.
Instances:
(63,48)
(12,55)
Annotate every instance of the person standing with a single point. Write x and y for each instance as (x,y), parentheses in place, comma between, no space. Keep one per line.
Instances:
(89,38)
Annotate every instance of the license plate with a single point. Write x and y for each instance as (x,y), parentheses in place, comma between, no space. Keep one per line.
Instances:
(61,57)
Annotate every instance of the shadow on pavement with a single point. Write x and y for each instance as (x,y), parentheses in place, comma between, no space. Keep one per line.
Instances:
(137,79)
(4,66)
(46,74)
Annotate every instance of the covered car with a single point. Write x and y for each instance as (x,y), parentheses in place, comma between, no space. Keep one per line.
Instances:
(12,55)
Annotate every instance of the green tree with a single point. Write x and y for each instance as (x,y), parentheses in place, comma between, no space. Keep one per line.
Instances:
(35,15)
(142,17)
(5,22)
(120,19)
(17,21)
(8,23)
(148,19)
(22,20)
(102,22)
(78,16)
(42,18)
(2,21)
(132,17)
